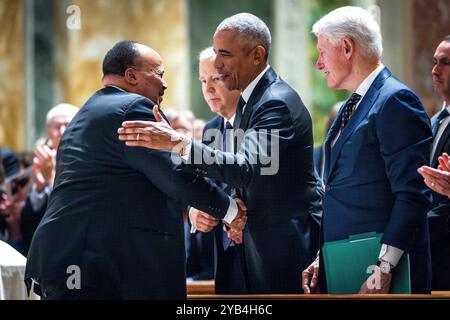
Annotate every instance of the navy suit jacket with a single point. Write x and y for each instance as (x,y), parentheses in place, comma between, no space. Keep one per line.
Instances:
(371,181)
(116,211)
(276,241)
(439,220)
(229,269)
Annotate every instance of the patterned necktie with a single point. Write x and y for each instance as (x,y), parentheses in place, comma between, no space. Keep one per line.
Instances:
(349,108)
(444,114)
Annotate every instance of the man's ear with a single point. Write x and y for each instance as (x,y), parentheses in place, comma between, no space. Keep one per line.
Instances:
(259,55)
(348,46)
(130,76)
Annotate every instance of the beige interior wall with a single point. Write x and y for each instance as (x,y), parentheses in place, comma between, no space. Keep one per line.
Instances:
(161,24)
(12,83)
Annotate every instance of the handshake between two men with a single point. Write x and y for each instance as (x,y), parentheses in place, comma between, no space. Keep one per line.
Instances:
(159,135)
(204,222)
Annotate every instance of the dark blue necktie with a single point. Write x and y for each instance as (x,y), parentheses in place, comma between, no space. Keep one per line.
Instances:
(444,114)
(349,108)
(239,111)
(228,127)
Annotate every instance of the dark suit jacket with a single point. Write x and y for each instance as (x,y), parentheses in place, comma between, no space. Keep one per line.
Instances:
(229,270)
(276,238)
(29,221)
(115,211)
(439,220)
(371,179)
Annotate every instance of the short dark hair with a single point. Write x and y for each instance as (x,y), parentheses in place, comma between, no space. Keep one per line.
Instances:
(447,38)
(120,57)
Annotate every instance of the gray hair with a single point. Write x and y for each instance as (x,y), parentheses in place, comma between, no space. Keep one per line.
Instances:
(61,110)
(354,23)
(206,54)
(251,28)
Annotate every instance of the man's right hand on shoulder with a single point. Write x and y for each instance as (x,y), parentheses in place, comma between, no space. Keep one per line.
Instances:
(202,221)
(310,278)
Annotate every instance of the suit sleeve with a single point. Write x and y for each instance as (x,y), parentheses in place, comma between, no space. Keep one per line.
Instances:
(405,146)
(162,169)
(270,133)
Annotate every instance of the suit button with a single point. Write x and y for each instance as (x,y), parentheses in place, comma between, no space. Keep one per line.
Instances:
(327,188)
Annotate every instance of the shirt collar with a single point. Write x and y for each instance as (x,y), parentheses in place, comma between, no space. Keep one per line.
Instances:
(365,85)
(446,107)
(120,89)
(231,120)
(249,89)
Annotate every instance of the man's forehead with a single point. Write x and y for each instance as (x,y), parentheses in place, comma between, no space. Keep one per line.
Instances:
(443,49)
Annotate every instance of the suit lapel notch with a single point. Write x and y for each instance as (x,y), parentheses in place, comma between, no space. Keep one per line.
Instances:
(262,85)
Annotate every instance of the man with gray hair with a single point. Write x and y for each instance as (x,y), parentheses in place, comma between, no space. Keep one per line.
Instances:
(380,137)
(276,243)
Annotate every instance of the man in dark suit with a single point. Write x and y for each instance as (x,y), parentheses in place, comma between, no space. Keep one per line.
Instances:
(273,168)
(379,138)
(439,215)
(113,228)
(228,251)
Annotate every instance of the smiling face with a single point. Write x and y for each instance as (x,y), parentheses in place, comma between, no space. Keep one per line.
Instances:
(219,99)
(441,71)
(236,61)
(333,63)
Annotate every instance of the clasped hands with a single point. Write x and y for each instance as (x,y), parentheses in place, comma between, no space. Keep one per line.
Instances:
(205,223)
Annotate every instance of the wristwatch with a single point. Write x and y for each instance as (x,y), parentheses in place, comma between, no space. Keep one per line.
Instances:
(385,267)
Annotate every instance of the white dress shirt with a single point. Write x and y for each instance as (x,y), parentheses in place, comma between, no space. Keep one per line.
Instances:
(441,130)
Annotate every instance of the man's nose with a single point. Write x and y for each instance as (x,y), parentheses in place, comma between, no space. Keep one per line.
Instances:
(319,64)
(435,71)
(210,88)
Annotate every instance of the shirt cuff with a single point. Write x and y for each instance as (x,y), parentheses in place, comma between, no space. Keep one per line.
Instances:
(390,254)
(186,152)
(193,229)
(232,211)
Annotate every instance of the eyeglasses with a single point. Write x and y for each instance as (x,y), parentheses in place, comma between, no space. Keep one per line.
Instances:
(158,73)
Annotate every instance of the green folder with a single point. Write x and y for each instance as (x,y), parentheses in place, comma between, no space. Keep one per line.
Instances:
(349,262)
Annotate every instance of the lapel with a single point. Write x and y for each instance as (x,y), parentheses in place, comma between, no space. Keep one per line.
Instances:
(266,80)
(214,141)
(364,107)
(440,146)
(334,129)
